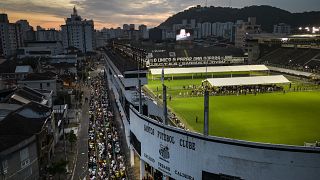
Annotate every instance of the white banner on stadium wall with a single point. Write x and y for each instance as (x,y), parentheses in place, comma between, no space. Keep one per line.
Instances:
(184,155)
(184,61)
(170,153)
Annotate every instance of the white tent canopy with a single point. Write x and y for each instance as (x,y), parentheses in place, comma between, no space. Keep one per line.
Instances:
(255,80)
(210,69)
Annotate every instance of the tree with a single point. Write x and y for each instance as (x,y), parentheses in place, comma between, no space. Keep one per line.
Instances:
(72,138)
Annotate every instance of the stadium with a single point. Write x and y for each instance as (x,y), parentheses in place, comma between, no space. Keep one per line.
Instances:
(253,108)
(262,117)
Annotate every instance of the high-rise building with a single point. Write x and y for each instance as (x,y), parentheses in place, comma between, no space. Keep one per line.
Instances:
(26,30)
(206,29)
(193,23)
(126,27)
(78,33)
(4,38)
(48,35)
(245,28)
(156,34)
(131,27)
(281,28)
(224,30)
(10,36)
(143,31)
(184,22)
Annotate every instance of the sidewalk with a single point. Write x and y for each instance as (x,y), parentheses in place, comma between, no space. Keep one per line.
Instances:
(70,155)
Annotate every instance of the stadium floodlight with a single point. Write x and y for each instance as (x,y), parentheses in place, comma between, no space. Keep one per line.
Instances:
(300,28)
(315,30)
(307,28)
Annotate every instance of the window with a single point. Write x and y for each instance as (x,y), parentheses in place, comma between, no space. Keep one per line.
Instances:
(40,85)
(24,157)
(48,84)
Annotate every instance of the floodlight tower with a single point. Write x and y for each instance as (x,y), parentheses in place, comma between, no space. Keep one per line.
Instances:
(206,106)
(164,98)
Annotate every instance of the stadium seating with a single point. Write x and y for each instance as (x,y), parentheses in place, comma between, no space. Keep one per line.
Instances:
(293,58)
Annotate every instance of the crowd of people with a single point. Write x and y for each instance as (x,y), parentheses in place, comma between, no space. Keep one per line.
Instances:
(106,160)
(244,90)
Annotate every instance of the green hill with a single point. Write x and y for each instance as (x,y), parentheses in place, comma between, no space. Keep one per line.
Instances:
(267,16)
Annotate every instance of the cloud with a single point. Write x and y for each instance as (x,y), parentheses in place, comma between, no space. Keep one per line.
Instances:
(117,12)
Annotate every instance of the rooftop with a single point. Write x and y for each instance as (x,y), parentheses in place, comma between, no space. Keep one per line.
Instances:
(23,69)
(24,95)
(40,76)
(22,124)
(242,81)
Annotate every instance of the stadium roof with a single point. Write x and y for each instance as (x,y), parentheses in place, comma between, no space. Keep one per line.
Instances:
(256,80)
(209,69)
(289,71)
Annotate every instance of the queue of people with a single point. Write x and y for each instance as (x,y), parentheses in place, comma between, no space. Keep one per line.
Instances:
(105,156)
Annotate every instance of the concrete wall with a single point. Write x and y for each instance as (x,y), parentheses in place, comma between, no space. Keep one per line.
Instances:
(15,169)
(189,154)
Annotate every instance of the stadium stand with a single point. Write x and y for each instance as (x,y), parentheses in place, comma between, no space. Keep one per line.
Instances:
(197,52)
(294,58)
(210,69)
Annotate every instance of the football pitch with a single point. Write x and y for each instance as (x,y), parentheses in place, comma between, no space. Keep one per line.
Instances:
(291,118)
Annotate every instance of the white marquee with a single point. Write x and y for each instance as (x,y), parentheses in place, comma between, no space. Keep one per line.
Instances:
(256,80)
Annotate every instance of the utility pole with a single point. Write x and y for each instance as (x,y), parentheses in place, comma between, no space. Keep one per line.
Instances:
(63,130)
(206,113)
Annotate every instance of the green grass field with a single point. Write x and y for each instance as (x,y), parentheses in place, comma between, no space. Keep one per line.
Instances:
(292,118)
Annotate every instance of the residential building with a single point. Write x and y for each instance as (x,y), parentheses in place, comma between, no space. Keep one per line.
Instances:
(78,33)
(281,28)
(48,35)
(4,38)
(40,49)
(10,71)
(42,81)
(155,34)
(27,141)
(177,27)
(132,27)
(126,27)
(26,31)
(243,29)
(206,29)
(224,30)
(10,36)
(143,32)
(184,22)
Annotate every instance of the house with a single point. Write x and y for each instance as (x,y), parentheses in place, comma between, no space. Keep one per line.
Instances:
(25,95)
(42,81)
(26,141)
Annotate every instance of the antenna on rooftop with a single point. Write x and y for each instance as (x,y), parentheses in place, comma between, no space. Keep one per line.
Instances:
(206,5)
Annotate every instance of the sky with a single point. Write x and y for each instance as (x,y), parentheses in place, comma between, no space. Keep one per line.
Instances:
(115,13)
